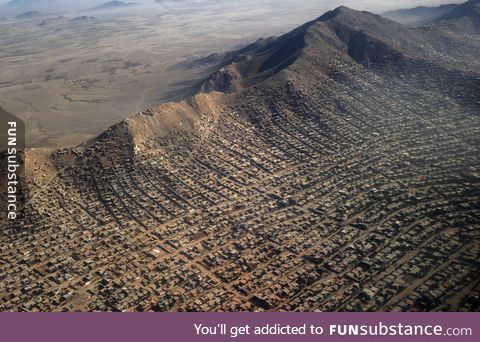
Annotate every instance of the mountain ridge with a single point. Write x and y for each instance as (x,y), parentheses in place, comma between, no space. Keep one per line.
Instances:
(360,35)
(114,4)
(420,15)
(338,26)
(471,8)
(340,34)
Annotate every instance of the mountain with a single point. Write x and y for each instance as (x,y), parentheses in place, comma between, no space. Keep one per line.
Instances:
(113,5)
(418,16)
(334,168)
(464,18)
(28,15)
(26,3)
(16,7)
(471,8)
(360,31)
(256,62)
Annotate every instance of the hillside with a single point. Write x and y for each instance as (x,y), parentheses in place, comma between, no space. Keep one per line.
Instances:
(462,18)
(420,15)
(465,18)
(366,37)
(471,8)
(28,15)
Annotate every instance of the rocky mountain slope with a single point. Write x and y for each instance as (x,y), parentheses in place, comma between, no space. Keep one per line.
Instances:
(464,18)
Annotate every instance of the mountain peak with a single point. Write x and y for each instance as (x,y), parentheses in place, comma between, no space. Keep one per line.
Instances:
(336,12)
(342,8)
(346,15)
